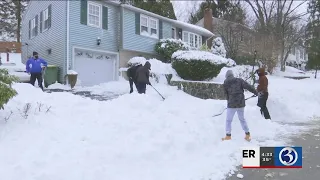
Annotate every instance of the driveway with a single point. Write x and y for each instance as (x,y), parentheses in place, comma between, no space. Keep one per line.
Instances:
(100,97)
(310,142)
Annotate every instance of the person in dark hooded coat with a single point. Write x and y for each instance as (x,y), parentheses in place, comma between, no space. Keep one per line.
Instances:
(263,93)
(142,77)
(234,91)
(131,73)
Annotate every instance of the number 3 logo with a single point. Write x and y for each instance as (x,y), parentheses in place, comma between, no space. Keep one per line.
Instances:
(286,153)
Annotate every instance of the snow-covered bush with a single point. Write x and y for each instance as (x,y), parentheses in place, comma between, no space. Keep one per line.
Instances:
(6,91)
(136,61)
(204,47)
(218,47)
(166,47)
(198,65)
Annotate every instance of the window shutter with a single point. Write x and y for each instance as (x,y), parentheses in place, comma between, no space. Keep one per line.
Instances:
(29,29)
(104,17)
(160,30)
(137,22)
(41,21)
(36,27)
(83,12)
(49,16)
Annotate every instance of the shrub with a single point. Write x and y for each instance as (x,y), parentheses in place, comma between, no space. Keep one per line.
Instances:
(6,91)
(198,65)
(245,60)
(218,47)
(166,47)
(204,48)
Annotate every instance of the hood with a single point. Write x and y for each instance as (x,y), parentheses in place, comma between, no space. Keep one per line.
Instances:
(261,72)
(147,65)
(229,74)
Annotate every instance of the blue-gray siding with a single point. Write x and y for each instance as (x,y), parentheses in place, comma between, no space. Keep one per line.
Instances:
(135,42)
(86,36)
(54,38)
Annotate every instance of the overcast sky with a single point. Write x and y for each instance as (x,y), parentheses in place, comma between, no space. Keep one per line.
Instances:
(184,8)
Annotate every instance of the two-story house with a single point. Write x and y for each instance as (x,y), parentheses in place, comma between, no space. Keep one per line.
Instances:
(238,39)
(96,38)
(298,57)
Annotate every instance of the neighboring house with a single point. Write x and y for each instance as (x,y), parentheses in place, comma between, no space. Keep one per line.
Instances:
(236,37)
(297,57)
(13,47)
(96,38)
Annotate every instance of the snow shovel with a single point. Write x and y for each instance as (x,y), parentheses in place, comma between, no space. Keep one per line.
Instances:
(227,108)
(157,92)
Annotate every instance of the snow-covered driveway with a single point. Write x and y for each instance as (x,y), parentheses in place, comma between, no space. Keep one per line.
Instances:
(139,137)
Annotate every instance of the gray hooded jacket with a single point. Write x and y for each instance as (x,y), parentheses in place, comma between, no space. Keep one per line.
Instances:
(143,73)
(234,90)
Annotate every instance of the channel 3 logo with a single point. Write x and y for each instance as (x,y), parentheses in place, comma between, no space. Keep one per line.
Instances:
(290,157)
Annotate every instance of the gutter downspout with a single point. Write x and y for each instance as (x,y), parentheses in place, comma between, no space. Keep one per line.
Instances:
(208,40)
(67,67)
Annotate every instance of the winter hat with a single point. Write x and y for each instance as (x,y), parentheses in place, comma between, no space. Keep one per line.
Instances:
(148,65)
(229,74)
(34,53)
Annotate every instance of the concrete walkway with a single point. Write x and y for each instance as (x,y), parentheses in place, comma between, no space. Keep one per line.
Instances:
(310,142)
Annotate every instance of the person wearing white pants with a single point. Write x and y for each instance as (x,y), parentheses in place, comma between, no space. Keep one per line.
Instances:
(234,90)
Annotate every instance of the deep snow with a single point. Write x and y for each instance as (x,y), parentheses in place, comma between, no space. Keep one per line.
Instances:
(140,137)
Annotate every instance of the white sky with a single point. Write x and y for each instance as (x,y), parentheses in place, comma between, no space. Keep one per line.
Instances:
(184,8)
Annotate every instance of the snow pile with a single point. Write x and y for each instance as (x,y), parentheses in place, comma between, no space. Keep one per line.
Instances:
(136,61)
(141,135)
(72,72)
(202,56)
(164,43)
(15,66)
(290,72)
(218,47)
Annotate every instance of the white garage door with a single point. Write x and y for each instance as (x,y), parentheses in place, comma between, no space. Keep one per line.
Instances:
(94,67)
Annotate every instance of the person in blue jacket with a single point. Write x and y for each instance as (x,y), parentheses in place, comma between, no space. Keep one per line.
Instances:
(35,67)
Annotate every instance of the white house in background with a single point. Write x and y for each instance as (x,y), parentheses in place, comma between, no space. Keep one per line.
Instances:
(298,57)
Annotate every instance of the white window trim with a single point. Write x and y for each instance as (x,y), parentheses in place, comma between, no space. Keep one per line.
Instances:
(100,14)
(43,20)
(148,26)
(175,32)
(199,43)
(33,26)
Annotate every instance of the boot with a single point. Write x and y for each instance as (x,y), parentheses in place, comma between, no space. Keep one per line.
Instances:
(247,137)
(228,137)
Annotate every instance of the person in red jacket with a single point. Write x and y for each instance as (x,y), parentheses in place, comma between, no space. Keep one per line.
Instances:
(263,93)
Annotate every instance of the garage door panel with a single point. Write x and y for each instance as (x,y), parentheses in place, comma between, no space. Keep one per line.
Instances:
(94,68)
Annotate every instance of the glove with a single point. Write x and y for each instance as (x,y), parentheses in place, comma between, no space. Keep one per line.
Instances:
(260,94)
(131,90)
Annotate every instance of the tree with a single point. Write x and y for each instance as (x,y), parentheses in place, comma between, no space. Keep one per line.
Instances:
(278,23)
(160,7)
(313,36)
(218,47)
(10,18)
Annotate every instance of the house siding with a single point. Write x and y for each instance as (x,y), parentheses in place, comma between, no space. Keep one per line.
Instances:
(85,36)
(54,38)
(136,42)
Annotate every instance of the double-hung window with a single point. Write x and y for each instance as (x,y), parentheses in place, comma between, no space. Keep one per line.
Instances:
(45,19)
(149,26)
(33,28)
(94,15)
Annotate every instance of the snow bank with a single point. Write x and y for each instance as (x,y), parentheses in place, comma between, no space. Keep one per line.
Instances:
(157,66)
(202,56)
(136,61)
(141,135)
(290,72)
(15,66)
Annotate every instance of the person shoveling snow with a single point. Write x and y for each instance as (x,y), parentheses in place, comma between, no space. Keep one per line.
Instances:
(35,66)
(234,90)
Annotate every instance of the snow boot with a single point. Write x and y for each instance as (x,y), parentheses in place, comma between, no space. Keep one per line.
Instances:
(247,137)
(228,137)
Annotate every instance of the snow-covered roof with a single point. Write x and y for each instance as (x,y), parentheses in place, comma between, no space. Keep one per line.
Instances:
(179,24)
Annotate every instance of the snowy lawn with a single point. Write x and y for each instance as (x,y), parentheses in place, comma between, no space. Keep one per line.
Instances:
(140,137)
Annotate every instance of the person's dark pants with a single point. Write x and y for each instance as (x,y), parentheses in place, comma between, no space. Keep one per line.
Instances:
(131,81)
(141,87)
(262,103)
(38,77)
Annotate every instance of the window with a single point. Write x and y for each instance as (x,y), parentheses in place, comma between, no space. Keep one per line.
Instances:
(173,33)
(94,15)
(33,27)
(149,26)
(194,40)
(45,19)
